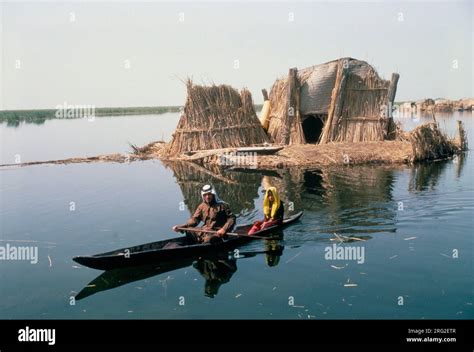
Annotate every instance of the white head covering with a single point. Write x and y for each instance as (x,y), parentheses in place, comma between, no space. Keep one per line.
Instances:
(209,189)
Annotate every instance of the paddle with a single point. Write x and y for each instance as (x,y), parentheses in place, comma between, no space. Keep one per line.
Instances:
(194,229)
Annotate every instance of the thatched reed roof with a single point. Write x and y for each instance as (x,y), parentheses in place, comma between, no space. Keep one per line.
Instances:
(317,83)
(216,117)
(346,92)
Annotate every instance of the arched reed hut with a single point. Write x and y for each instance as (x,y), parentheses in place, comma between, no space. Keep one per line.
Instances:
(343,100)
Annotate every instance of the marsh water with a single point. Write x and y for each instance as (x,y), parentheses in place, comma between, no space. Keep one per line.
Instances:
(417,222)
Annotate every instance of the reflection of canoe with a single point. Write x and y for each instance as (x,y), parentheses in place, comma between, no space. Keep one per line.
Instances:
(263,172)
(121,276)
(176,248)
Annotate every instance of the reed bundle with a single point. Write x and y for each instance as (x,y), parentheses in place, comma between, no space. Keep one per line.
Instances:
(216,117)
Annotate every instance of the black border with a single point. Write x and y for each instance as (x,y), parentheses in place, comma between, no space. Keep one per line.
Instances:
(229,332)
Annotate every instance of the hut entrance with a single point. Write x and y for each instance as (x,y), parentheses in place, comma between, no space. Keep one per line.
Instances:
(312,128)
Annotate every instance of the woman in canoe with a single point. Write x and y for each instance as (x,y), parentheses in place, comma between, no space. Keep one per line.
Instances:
(273,211)
(214,213)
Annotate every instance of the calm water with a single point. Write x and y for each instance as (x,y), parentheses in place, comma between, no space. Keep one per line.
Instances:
(60,139)
(418,221)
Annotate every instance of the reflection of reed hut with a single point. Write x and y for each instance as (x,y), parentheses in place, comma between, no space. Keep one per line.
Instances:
(236,188)
(341,101)
(327,191)
(216,117)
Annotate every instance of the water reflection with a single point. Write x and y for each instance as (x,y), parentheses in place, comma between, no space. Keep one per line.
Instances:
(216,273)
(16,122)
(348,200)
(216,270)
(460,160)
(426,176)
(239,189)
(345,199)
(355,202)
(273,252)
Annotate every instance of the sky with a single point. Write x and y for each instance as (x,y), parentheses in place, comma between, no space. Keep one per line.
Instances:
(140,53)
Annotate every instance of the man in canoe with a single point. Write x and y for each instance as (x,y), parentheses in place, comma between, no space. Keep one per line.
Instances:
(214,213)
(273,211)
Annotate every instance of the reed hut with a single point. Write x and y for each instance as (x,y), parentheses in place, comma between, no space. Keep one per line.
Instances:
(426,105)
(216,117)
(343,100)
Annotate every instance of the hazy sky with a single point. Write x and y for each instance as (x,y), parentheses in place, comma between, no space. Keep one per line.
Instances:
(138,54)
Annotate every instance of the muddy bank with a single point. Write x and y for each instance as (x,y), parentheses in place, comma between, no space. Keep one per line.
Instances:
(119,158)
(153,150)
(387,152)
(308,155)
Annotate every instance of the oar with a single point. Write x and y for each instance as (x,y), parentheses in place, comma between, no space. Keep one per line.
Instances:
(193,229)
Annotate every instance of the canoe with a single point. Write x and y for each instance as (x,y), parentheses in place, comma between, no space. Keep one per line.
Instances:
(175,248)
(260,150)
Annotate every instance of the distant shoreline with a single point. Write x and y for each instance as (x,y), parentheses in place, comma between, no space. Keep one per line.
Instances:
(27,114)
(39,116)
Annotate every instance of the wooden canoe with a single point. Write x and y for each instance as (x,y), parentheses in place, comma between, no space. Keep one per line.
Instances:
(260,150)
(175,248)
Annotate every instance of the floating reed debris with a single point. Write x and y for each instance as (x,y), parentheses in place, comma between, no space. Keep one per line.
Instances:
(430,143)
(150,148)
(216,117)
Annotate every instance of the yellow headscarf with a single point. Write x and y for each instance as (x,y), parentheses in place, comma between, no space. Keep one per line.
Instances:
(266,203)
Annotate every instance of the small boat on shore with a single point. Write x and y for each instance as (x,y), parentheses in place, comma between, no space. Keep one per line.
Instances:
(176,248)
(266,150)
